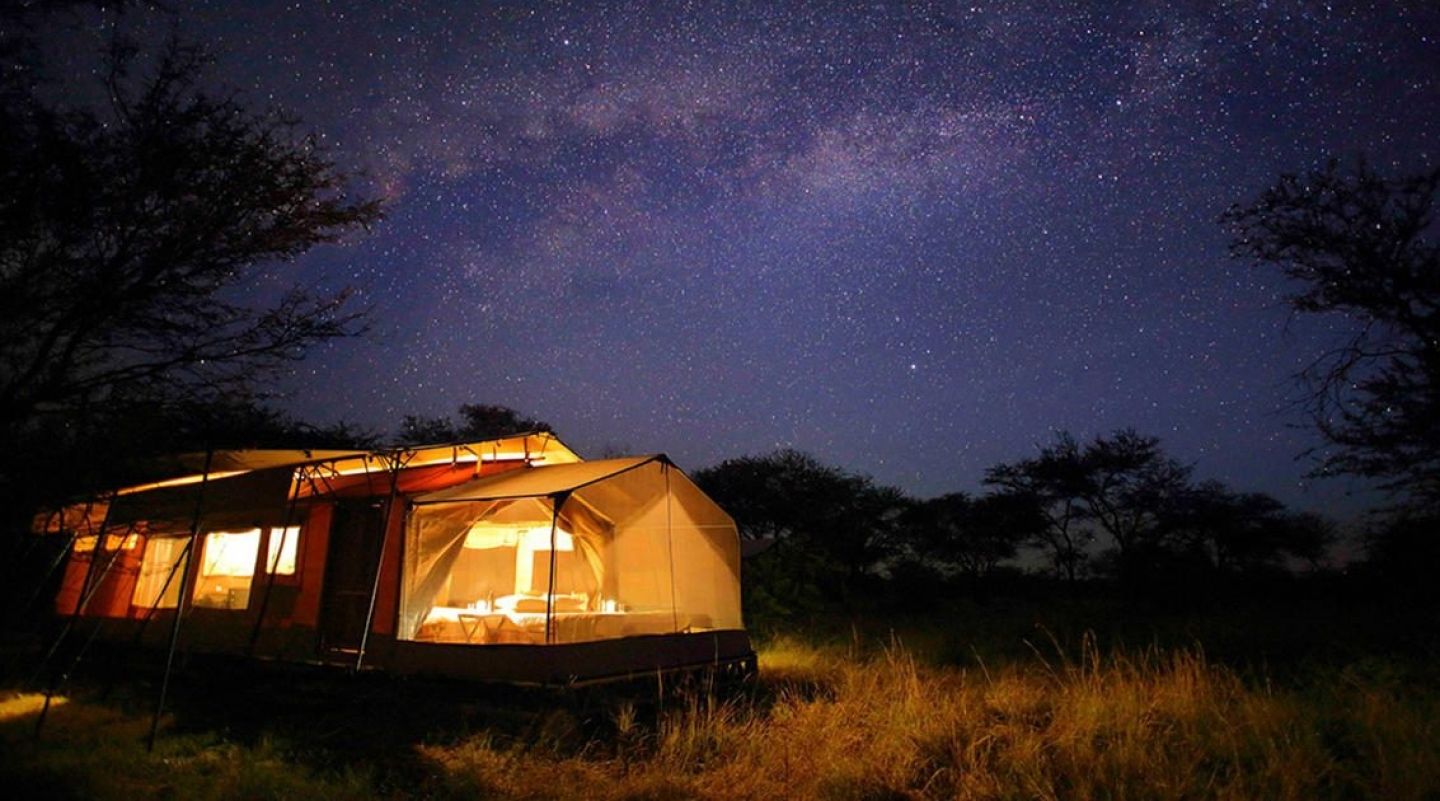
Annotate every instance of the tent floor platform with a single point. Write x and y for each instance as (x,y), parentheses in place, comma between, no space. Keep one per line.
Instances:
(570,664)
(727,655)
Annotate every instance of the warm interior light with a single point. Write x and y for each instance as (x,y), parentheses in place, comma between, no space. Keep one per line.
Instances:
(113,542)
(180,482)
(538,539)
(534,537)
(360,466)
(526,539)
(156,566)
(231,553)
(227,569)
(489,535)
(282,549)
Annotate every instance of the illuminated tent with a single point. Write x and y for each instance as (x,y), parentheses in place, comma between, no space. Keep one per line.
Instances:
(510,559)
(569,553)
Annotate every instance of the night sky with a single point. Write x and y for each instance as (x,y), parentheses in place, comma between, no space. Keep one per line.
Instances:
(912,241)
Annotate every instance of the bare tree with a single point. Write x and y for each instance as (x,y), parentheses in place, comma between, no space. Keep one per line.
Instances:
(1359,244)
(1053,480)
(960,535)
(129,233)
(1127,483)
(477,421)
(1117,485)
(1242,532)
(831,528)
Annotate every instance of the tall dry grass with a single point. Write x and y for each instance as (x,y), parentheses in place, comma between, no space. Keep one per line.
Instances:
(834,723)
(1146,725)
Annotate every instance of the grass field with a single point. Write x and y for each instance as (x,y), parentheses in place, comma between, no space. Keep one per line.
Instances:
(952,708)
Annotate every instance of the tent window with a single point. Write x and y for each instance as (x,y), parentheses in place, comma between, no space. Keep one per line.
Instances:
(282,549)
(227,565)
(638,551)
(493,586)
(159,560)
(113,542)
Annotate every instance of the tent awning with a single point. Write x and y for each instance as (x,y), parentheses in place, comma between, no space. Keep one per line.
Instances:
(188,470)
(534,482)
(241,460)
(540,446)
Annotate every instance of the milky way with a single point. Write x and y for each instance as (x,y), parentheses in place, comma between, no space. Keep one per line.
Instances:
(912,240)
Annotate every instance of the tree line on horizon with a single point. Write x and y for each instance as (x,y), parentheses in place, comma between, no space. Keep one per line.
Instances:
(1115,507)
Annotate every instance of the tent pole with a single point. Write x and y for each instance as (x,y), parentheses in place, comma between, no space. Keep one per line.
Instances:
(183,558)
(17,569)
(87,589)
(45,577)
(556,501)
(181,601)
(64,676)
(396,463)
(17,565)
(80,603)
(272,566)
(670,551)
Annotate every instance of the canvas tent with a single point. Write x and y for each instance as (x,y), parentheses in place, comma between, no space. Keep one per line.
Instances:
(510,559)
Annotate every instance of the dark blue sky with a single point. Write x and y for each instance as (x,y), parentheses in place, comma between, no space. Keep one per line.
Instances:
(912,240)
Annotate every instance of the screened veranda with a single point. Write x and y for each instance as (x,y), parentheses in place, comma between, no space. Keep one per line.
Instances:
(569,553)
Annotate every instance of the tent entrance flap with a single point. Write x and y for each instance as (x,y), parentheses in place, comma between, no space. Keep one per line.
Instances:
(356,533)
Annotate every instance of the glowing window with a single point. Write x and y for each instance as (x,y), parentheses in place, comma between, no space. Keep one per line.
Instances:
(156,568)
(282,550)
(227,565)
(113,542)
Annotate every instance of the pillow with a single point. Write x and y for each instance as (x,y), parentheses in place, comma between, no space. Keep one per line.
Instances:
(570,603)
(529,604)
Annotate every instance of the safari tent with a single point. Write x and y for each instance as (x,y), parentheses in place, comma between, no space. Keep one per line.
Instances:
(506,560)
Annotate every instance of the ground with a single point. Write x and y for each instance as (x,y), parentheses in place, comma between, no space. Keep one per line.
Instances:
(987,699)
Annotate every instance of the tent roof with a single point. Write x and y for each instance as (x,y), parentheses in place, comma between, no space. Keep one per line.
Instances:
(231,461)
(538,446)
(189,468)
(534,482)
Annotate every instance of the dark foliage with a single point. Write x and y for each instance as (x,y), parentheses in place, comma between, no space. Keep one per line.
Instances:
(960,535)
(1126,492)
(1112,508)
(120,232)
(128,229)
(66,459)
(121,444)
(477,421)
(1401,553)
(830,529)
(1054,480)
(1241,532)
(1360,244)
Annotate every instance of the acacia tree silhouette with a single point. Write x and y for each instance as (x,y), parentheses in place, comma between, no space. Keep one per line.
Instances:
(1360,244)
(141,238)
(121,232)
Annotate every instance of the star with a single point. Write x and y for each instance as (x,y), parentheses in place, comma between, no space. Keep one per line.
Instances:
(705,232)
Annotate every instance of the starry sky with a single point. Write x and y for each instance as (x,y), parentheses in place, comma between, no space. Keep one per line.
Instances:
(911,239)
